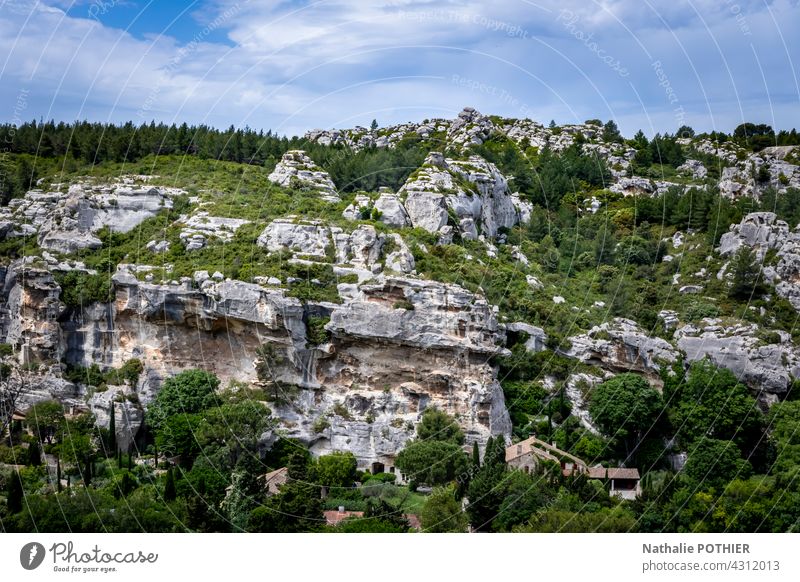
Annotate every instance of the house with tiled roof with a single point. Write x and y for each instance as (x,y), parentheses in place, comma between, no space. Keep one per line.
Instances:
(526,456)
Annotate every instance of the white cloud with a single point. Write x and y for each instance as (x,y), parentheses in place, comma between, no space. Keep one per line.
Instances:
(337,62)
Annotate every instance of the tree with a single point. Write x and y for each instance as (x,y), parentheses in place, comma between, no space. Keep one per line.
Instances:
(169,487)
(485,491)
(476,455)
(611,132)
(232,430)
(374,125)
(442,512)
(189,392)
(177,436)
(15,493)
(713,463)
(336,470)
(296,508)
(746,273)
(626,408)
(685,131)
(112,430)
(431,462)
(712,403)
(437,425)
(47,417)
(34,454)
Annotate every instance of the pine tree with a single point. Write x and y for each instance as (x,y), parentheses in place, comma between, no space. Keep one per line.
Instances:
(169,487)
(374,125)
(58,474)
(112,430)
(476,455)
(745,274)
(34,454)
(14,496)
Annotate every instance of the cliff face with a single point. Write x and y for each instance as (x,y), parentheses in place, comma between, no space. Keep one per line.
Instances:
(395,347)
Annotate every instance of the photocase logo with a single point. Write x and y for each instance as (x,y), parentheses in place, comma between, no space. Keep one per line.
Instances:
(31,555)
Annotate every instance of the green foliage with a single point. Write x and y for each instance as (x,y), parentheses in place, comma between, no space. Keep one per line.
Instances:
(189,392)
(437,425)
(442,512)
(626,408)
(713,463)
(14,494)
(46,419)
(431,462)
(177,436)
(336,470)
(746,273)
(317,334)
(79,289)
(711,403)
(296,508)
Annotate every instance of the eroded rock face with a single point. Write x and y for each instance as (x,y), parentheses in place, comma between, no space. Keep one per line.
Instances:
(297,169)
(392,211)
(621,345)
(764,367)
(761,231)
(31,311)
(310,238)
(473,190)
(69,222)
(396,346)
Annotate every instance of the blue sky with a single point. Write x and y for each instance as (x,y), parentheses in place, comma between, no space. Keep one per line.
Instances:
(293,65)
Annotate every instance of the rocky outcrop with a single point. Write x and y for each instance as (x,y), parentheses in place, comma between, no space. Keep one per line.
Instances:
(31,311)
(308,238)
(392,212)
(67,223)
(470,128)
(762,232)
(621,345)
(297,170)
(395,346)
(694,168)
(767,368)
(473,190)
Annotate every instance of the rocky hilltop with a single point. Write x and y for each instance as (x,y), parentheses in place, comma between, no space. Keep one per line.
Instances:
(356,311)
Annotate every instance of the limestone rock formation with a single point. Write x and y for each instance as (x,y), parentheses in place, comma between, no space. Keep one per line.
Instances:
(620,345)
(296,169)
(768,368)
(474,190)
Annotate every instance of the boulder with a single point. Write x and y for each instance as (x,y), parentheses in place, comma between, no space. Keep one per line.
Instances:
(309,238)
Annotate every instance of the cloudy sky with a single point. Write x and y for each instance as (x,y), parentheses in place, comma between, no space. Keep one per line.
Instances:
(295,65)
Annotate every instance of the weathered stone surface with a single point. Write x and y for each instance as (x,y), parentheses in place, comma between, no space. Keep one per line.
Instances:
(304,238)
(694,168)
(31,310)
(73,219)
(632,186)
(536,337)
(473,190)
(768,368)
(761,231)
(296,169)
(621,345)
(392,211)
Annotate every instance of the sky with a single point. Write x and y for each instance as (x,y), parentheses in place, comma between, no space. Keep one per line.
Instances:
(291,66)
